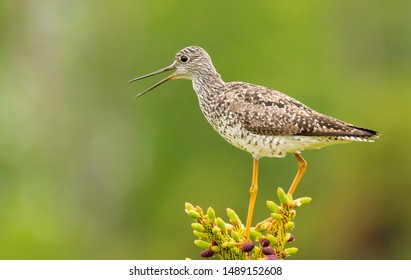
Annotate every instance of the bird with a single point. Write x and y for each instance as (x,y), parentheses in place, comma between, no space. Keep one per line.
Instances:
(261,121)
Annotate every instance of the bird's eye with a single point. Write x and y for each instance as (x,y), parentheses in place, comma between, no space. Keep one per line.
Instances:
(184,58)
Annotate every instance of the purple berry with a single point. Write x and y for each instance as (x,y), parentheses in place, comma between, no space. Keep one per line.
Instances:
(248,247)
(268,251)
(271,257)
(292,238)
(214,243)
(207,253)
(264,242)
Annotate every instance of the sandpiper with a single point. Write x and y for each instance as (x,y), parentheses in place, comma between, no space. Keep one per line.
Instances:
(256,119)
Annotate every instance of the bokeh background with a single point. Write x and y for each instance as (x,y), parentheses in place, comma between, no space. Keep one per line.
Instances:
(88,172)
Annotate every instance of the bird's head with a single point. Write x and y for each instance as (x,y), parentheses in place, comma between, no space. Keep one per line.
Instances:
(189,63)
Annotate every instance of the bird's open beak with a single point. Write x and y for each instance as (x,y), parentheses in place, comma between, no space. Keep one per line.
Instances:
(168,68)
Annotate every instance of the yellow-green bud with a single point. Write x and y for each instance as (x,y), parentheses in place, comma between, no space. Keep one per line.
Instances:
(263,227)
(277,216)
(290,251)
(233,217)
(202,244)
(282,196)
(303,200)
(189,206)
(221,224)
(271,238)
(235,236)
(211,214)
(198,227)
(254,234)
(272,206)
(194,214)
(289,225)
(201,235)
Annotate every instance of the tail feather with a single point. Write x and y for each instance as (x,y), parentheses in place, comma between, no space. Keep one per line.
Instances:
(350,131)
(364,132)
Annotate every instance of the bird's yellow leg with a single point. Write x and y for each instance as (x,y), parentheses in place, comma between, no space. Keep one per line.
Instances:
(302,166)
(253,196)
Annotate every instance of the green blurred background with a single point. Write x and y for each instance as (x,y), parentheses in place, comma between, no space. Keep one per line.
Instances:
(88,172)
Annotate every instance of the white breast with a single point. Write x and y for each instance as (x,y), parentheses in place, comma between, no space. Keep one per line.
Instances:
(275,146)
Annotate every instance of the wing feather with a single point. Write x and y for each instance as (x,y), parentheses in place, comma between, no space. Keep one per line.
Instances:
(265,111)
